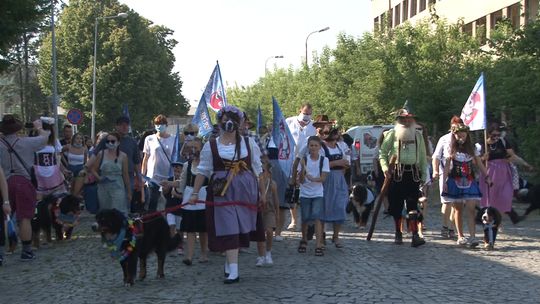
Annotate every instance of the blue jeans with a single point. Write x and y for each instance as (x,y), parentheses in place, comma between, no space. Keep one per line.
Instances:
(311,208)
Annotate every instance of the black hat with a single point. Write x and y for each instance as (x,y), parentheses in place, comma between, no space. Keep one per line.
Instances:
(10,124)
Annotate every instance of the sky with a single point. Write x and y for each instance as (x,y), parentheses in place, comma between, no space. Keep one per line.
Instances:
(243,34)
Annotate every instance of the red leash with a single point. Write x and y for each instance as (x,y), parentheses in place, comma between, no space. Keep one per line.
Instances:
(213,204)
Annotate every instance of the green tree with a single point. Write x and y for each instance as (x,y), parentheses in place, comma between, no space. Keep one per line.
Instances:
(17,18)
(134,65)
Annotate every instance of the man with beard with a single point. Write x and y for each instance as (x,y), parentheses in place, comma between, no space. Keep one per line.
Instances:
(406,175)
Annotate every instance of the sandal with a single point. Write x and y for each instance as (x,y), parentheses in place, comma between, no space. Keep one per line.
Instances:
(302,247)
(187,262)
(319,251)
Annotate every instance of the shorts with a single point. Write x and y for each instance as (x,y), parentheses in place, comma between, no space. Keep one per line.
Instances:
(22,196)
(311,208)
(269,220)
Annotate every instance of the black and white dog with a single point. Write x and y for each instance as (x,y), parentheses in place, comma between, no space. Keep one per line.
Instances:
(490,218)
(361,201)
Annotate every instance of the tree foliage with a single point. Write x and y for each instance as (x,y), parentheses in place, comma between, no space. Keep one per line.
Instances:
(134,64)
(18,17)
(434,65)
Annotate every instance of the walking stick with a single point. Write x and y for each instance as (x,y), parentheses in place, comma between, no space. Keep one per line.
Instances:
(382,195)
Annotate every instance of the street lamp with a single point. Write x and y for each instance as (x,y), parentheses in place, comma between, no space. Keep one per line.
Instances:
(93,127)
(319,31)
(266,62)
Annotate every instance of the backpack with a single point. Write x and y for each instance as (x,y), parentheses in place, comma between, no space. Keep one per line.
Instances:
(321,163)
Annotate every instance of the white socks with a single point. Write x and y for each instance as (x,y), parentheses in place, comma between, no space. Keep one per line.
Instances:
(233,274)
(269,254)
(227,268)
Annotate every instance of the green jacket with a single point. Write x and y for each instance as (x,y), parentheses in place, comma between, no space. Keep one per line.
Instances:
(409,154)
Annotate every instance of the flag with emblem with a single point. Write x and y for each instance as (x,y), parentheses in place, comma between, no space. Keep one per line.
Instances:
(474,111)
(282,138)
(214,94)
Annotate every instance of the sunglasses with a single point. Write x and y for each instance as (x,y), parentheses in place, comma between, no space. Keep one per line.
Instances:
(112,141)
(325,132)
(189,133)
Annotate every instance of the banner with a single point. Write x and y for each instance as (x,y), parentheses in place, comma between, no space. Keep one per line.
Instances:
(260,121)
(474,111)
(282,138)
(214,94)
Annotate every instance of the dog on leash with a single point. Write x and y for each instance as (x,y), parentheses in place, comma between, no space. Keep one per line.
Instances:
(132,241)
(490,218)
(361,201)
(55,211)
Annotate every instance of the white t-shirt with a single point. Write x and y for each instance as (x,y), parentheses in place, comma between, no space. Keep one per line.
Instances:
(158,166)
(311,189)
(299,133)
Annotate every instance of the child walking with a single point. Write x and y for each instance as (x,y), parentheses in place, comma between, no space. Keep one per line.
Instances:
(270,211)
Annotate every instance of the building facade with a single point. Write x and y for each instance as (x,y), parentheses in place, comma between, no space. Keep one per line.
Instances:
(479,16)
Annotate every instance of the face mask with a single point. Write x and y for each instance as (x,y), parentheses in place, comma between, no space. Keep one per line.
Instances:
(304,117)
(77,145)
(229,126)
(161,128)
(110,146)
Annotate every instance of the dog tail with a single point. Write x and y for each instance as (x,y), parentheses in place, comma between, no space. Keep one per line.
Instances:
(174,242)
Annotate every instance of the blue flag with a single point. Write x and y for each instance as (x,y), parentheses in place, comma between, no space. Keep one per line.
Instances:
(260,121)
(125,113)
(214,93)
(283,139)
(202,119)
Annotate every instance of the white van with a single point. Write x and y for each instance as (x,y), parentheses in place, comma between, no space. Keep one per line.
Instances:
(365,144)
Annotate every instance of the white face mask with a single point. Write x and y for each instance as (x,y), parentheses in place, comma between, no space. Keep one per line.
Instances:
(110,146)
(161,128)
(303,117)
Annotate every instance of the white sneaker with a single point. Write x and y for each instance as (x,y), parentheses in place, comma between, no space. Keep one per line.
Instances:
(278,238)
(268,260)
(462,241)
(260,261)
(291,226)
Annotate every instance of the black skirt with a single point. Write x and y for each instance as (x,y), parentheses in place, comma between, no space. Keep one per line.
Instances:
(193,221)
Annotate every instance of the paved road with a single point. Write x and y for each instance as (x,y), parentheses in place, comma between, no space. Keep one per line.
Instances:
(81,271)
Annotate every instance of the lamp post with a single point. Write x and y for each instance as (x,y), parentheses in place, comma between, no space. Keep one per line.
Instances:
(266,62)
(53,72)
(319,31)
(93,127)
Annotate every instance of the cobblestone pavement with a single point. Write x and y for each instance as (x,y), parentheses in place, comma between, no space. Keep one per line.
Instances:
(81,271)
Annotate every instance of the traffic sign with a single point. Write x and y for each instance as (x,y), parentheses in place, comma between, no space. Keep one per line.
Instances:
(75,116)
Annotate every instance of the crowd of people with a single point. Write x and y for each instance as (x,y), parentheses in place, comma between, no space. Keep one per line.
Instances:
(229,189)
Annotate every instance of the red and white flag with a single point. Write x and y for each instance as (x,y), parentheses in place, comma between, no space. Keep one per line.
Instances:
(474,111)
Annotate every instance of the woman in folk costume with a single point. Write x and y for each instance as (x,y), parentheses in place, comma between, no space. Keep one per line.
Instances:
(460,187)
(336,192)
(499,153)
(232,163)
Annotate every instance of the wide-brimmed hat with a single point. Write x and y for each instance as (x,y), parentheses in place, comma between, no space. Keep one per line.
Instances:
(321,120)
(404,113)
(10,124)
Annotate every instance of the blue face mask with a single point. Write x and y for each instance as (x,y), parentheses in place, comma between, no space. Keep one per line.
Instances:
(161,128)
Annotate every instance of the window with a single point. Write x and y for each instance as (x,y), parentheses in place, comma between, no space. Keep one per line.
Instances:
(481,30)
(414,6)
(376,24)
(391,19)
(397,15)
(467,28)
(513,14)
(422,6)
(430,2)
(405,13)
(495,17)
